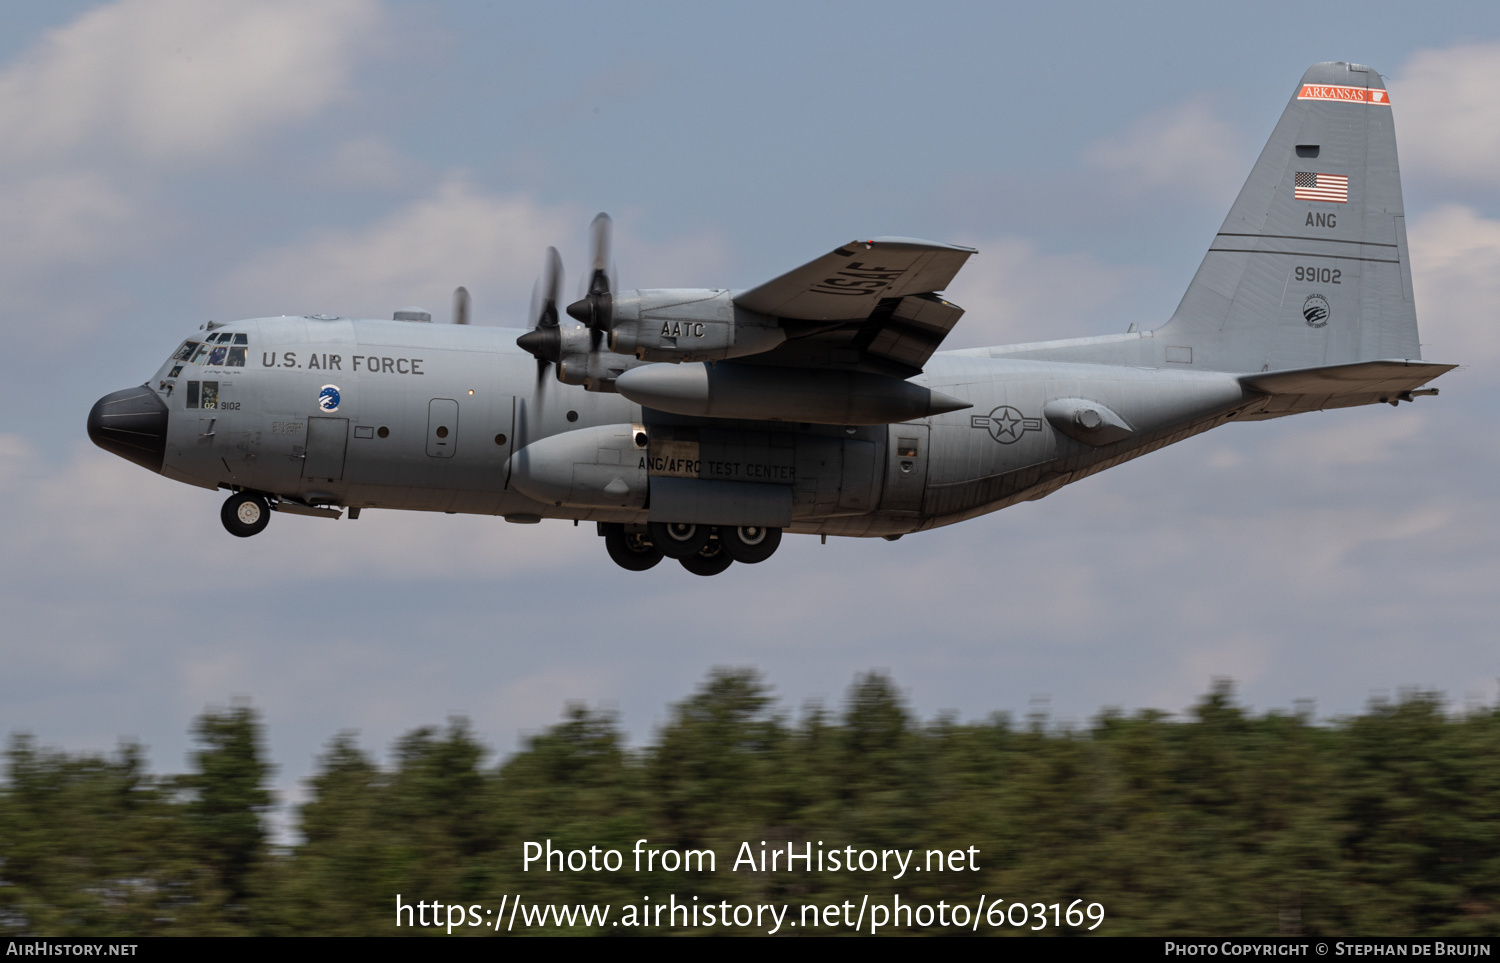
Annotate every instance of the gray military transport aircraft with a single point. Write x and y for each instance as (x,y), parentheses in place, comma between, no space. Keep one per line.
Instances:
(700,424)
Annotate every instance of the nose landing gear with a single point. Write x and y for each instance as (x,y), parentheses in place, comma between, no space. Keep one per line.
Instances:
(245,514)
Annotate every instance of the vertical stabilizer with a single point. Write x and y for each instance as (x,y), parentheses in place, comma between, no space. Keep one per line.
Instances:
(1310,267)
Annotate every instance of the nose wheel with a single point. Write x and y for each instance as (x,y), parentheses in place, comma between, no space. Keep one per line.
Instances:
(245,514)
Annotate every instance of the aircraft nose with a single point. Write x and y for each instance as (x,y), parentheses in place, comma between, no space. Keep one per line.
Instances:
(132,424)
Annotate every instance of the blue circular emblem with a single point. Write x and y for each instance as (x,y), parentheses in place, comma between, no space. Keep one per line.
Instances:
(328,398)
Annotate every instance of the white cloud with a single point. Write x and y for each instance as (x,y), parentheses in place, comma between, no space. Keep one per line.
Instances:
(54,228)
(1186,148)
(175,80)
(1013,293)
(1368,441)
(368,162)
(169,81)
(1455,256)
(415,255)
(492,244)
(80,518)
(1447,120)
(61,217)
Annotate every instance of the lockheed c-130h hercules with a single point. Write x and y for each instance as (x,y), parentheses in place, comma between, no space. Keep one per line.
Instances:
(701,424)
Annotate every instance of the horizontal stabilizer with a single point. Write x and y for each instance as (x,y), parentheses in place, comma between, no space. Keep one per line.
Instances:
(849,282)
(1341,385)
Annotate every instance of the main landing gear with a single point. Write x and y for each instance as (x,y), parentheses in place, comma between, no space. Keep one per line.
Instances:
(702,549)
(245,514)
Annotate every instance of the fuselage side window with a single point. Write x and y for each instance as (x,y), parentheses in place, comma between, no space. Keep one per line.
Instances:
(210,394)
(192,395)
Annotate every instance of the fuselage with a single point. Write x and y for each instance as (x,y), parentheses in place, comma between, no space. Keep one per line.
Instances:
(401,415)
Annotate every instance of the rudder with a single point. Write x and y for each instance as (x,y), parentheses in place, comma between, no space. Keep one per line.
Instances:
(1310,267)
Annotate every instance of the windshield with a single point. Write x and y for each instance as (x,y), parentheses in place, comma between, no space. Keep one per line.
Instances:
(227,349)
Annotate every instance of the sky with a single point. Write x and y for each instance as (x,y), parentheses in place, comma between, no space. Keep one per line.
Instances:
(166,162)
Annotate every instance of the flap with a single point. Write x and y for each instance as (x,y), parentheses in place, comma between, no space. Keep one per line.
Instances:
(910,330)
(849,282)
(896,339)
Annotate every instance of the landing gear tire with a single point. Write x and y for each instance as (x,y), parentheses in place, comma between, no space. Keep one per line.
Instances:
(750,543)
(245,514)
(679,540)
(710,561)
(631,551)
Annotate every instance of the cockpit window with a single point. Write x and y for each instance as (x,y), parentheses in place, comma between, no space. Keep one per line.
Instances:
(215,349)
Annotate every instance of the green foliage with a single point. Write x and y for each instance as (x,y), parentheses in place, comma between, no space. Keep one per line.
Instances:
(227,798)
(1224,823)
(96,846)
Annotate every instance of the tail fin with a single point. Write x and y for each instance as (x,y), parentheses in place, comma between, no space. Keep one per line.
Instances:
(1310,267)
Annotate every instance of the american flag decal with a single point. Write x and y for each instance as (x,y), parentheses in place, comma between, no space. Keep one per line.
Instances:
(1322,187)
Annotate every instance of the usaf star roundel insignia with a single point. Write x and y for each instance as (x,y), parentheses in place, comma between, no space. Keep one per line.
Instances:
(328,398)
(1006,424)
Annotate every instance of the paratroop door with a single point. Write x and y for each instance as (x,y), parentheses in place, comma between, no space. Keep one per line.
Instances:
(327,439)
(905,467)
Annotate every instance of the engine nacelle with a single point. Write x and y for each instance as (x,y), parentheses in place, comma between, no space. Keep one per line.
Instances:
(765,393)
(579,364)
(688,324)
(603,467)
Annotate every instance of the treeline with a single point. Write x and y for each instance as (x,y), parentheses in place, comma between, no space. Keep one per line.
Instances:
(1226,823)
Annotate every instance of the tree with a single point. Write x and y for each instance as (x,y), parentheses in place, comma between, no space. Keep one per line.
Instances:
(227,798)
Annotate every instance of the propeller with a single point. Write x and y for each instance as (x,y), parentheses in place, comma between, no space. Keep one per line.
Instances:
(460,305)
(575,350)
(544,340)
(596,308)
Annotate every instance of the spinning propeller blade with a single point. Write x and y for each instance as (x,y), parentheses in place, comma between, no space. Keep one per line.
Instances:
(460,305)
(544,340)
(596,308)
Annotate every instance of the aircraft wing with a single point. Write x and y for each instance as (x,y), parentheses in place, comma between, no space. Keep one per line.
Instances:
(846,284)
(1341,385)
(868,305)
